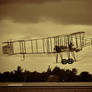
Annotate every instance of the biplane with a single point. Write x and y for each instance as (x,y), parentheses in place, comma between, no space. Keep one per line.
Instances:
(66,43)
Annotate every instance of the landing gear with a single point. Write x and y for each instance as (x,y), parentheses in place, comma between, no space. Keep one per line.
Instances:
(70,61)
(64,61)
(67,61)
(70,56)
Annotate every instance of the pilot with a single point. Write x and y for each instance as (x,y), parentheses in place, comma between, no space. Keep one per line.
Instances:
(58,49)
(70,45)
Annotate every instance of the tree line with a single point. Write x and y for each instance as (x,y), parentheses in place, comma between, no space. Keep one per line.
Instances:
(55,75)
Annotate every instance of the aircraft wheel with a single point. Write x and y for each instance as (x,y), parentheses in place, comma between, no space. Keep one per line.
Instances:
(70,61)
(64,61)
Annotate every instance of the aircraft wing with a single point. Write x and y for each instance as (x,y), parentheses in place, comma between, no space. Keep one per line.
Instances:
(44,45)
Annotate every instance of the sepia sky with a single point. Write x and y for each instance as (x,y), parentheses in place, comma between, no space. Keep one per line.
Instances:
(28,19)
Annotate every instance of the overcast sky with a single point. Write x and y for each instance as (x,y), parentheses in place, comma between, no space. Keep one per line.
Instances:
(27,19)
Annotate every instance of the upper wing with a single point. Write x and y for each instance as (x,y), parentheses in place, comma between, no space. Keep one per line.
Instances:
(45,45)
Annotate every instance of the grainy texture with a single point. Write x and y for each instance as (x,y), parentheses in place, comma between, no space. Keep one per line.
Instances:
(45,89)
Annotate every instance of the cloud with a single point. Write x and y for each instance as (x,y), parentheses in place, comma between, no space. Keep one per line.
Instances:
(65,12)
(27,1)
(10,30)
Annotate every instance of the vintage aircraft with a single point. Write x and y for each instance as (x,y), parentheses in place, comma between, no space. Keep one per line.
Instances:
(68,43)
